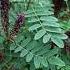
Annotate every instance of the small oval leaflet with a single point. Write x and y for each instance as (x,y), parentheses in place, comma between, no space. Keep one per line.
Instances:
(39,34)
(46,38)
(29,57)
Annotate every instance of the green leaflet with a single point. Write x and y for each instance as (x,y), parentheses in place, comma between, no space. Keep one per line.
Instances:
(23,53)
(54,29)
(32,45)
(49,18)
(52,24)
(44,50)
(34,27)
(61,36)
(44,13)
(32,20)
(56,61)
(44,62)
(37,48)
(39,34)
(51,53)
(37,61)
(18,49)
(58,42)
(25,42)
(46,38)
(29,57)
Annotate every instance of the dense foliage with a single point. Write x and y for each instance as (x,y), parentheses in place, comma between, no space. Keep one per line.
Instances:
(34,35)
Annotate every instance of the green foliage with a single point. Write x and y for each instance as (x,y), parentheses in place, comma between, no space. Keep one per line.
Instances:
(40,39)
(44,23)
(56,61)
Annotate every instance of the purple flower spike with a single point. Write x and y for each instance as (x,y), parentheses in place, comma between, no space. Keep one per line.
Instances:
(20,19)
